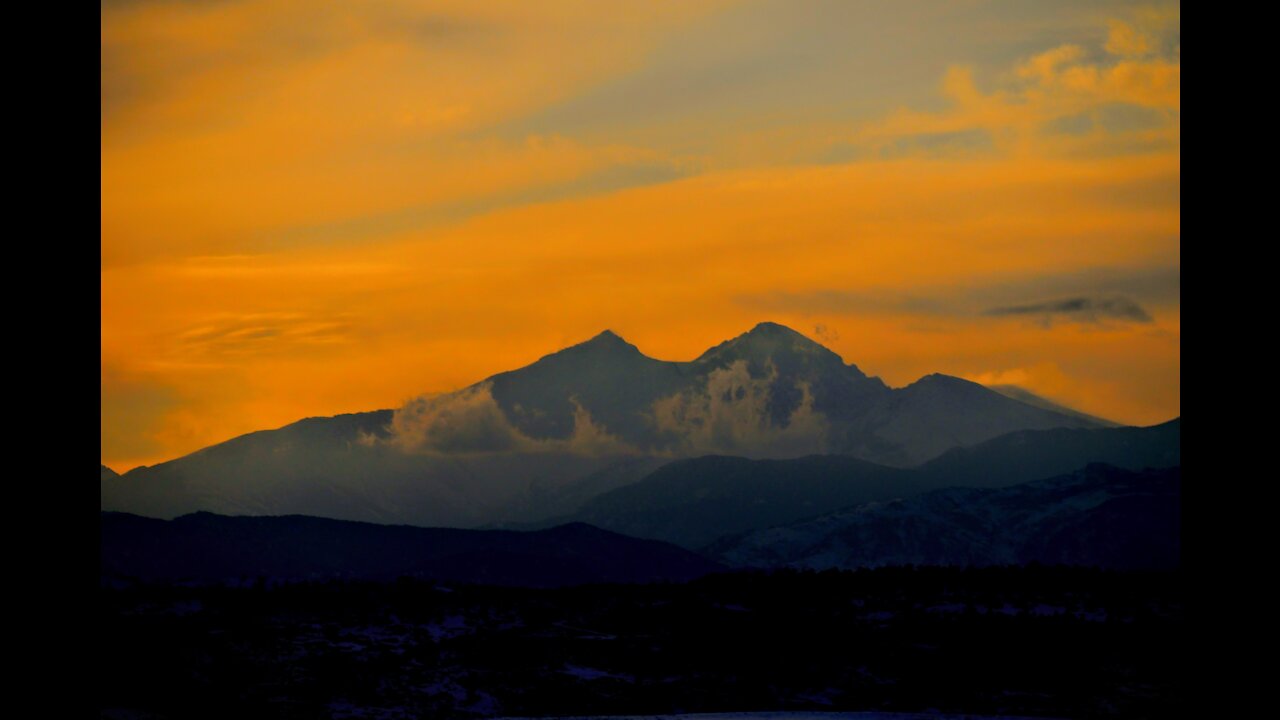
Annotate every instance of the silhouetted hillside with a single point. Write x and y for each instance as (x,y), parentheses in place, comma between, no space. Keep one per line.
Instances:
(1100,516)
(212,548)
(1037,454)
(692,502)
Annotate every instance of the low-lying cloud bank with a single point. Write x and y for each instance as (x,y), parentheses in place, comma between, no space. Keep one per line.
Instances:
(731,414)
(470,421)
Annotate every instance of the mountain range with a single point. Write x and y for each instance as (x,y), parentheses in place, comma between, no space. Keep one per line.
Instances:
(545,440)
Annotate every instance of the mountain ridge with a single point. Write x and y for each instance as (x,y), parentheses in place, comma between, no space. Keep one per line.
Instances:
(512,447)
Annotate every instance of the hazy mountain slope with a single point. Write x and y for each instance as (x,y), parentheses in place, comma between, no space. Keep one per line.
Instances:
(692,502)
(1024,395)
(108,473)
(1099,516)
(541,440)
(940,412)
(565,500)
(1035,454)
(212,548)
(320,466)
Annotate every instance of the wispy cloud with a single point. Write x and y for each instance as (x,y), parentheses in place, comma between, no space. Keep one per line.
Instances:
(1077,309)
(470,422)
(1091,295)
(255,333)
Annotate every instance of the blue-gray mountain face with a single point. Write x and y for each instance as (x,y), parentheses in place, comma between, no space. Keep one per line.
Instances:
(1100,516)
(695,501)
(539,441)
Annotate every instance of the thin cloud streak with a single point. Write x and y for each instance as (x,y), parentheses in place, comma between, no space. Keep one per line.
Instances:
(1079,309)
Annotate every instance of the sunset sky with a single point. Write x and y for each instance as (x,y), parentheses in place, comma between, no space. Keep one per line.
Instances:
(311,208)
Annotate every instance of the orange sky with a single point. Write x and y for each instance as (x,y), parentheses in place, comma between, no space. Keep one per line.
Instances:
(311,208)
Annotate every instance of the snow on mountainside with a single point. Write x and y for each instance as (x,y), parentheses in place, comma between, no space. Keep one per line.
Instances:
(1099,516)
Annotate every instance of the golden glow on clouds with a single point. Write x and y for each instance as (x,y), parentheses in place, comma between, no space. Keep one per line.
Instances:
(318,208)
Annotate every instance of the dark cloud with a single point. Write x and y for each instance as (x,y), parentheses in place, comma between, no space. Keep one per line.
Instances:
(1159,285)
(1089,295)
(1079,309)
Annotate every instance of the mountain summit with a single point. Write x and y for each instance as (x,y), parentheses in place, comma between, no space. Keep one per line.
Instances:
(608,341)
(771,341)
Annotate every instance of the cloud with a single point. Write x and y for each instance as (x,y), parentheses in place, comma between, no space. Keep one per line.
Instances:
(1050,381)
(1115,292)
(1078,309)
(1125,39)
(470,422)
(732,416)
(1149,30)
(1027,110)
(1044,67)
(464,422)
(228,334)
(227,125)
(271,267)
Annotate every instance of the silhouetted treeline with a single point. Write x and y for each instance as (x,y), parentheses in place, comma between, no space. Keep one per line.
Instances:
(1044,641)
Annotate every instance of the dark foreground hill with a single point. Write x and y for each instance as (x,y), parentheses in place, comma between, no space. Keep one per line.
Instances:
(204,547)
(1036,454)
(693,502)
